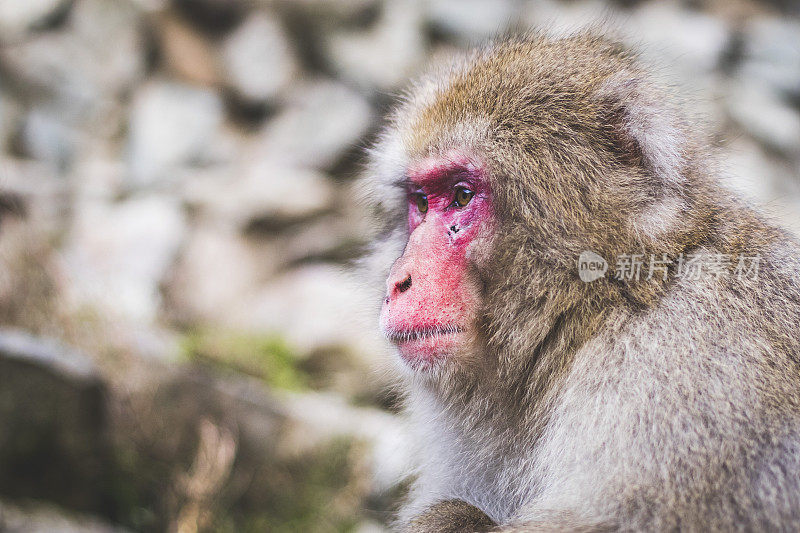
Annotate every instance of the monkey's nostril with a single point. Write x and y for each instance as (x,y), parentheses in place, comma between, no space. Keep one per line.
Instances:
(404,285)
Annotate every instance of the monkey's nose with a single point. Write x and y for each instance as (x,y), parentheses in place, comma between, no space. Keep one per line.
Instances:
(395,288)
(403,286)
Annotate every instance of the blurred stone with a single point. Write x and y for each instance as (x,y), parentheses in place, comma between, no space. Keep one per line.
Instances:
(258,59)
(43,518)
(323,416)
(558,18)
(321,120)
(54,442)
(274,479)
(35,182)
(17,18)
(691,40)
(335,238)
(81,70)
(384,56)
(171,125)
(30,281)
(98,174)
(768,182)
(213,17)
(369,526)
(314,307)
(772,55)
(217,268)
(117,254)
(111,31)
(151,6)
(336,12)
(20,347)
(8,116)
(185,52)
(748,171)
(471,22)
(45,136)
(764,114)
(263,188)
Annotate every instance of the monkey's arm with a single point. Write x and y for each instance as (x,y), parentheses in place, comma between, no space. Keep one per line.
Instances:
(450,516)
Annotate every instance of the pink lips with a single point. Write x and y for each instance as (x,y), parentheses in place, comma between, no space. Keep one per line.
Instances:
(416,334)
(421,347)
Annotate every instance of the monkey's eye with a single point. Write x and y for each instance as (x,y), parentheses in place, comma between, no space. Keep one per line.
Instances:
(463,196)
(422,203)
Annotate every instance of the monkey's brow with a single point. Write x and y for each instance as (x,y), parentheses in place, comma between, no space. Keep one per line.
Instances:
(448,178)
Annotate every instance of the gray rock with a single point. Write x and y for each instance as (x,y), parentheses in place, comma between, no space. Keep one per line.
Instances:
(272,465)
(54,443)
(329,12)
(37,191)
(171,126)
(72,80)
(8,116)
(151,6)
(370,526)
(116,255)
(324,416)
(84,68)
(260,187)
(216,270)
(257,58)
(557,18)
(334,237)
(472,21)
(110,33)
(17,18)
(44,518)
(21,347)
(70,441)
(766,116)
(321,120)
(772,55)
(45,136)
(768,182)
(330,308)
(692,41)
(384,56)
(98,174)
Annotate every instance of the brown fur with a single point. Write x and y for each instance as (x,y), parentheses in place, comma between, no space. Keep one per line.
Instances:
(580,145)
(451,516)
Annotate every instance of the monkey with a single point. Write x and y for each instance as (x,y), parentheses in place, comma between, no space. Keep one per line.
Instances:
(539,400)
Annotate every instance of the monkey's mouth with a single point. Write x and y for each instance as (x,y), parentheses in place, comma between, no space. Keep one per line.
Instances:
(402,336)
(422,346)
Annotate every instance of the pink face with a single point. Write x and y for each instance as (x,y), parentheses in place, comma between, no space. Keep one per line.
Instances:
(431,301)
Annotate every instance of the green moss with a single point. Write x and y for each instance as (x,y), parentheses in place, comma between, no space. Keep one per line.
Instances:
(268,357)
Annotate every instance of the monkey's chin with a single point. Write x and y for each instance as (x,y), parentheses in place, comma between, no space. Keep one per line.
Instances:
(428,352)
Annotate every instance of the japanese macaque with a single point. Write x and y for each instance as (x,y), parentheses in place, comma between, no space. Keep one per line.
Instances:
(653,398)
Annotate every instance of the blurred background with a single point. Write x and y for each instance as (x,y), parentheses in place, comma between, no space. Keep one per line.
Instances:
(183,346)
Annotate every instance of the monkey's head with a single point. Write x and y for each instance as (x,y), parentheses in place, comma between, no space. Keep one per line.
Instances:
(497,172)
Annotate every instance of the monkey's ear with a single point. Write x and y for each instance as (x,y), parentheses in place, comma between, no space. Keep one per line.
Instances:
(645,129)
